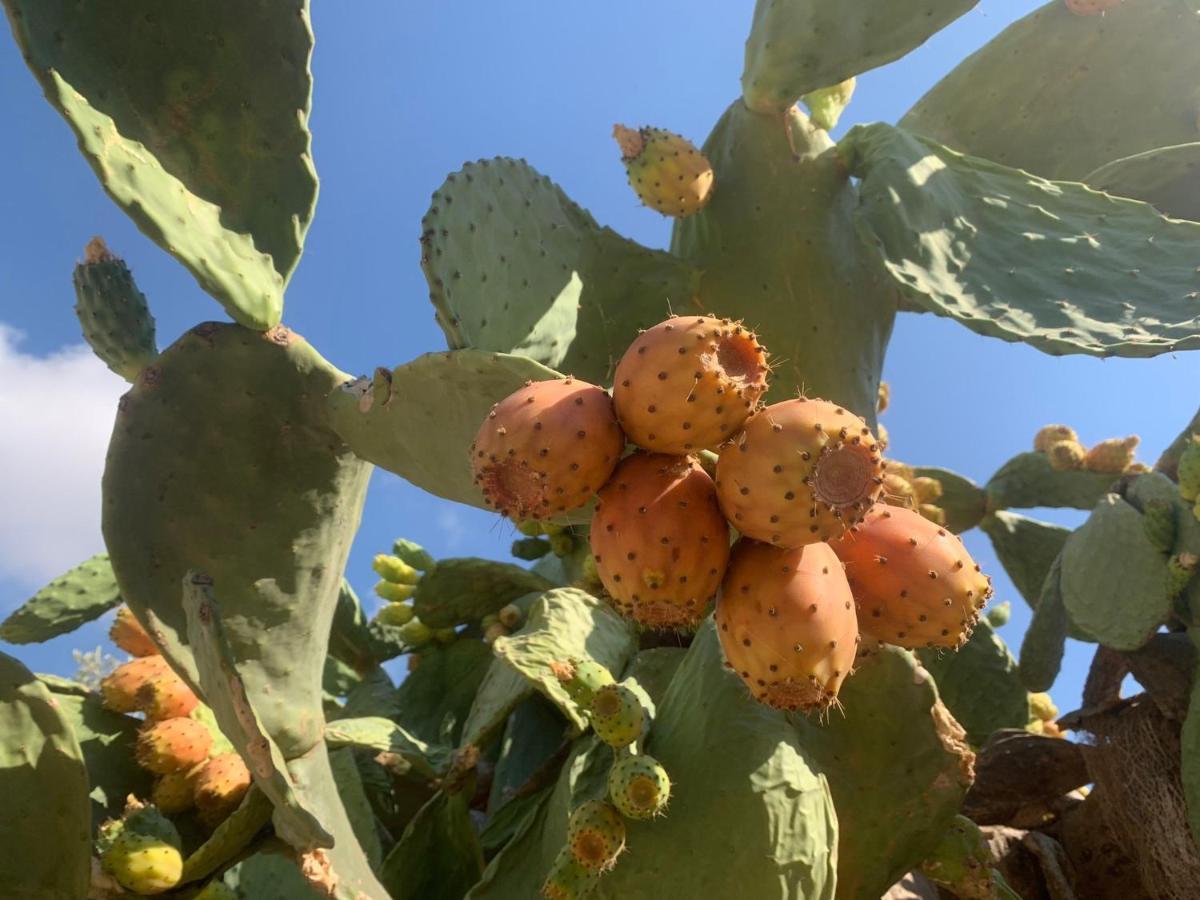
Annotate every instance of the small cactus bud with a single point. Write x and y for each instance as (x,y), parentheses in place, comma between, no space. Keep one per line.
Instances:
(413,554)
(883,397)
(395,614)
(394,569)
(394,593)
(927,489)
(934,514)
(415,633)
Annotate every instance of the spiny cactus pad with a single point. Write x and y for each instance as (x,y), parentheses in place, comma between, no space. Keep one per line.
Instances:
(84,593)
(1166,178)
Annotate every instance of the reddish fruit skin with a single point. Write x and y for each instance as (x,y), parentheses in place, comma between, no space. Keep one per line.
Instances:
(119,690)
(787,623)
(128,634)
(688,383)
(219,787)
(173,745)
(800,472)
(914,581)
(659,539)
(546,448)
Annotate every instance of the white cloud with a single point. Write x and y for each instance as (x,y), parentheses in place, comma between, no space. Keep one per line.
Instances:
(56,415)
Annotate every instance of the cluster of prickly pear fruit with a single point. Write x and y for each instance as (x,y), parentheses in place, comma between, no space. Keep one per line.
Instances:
(1115,456)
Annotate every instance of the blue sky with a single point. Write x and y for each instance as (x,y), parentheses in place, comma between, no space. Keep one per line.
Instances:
(405,93)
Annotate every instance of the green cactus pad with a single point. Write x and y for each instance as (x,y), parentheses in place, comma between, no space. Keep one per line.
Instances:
(113,313)
(1028,481)
(1026,548)
(979,684)
(438,857)
(1190,750)
(271,874)
(533,736)
(1168,178)
(437,403)
(898,768)
(385,736)
(46,827)
(1097,274)
(502,690)
(563,624)
(358,808)
(778,249)
(243,415)
(349,635)
(84,593)
(963,501)
(652,671)
(798,46)
(1053,93)
(962,863)
(434,701)
(230,838)
(220,101)
(1114,582)
(515,266)
(414,554)
(463,591)
(1045,639)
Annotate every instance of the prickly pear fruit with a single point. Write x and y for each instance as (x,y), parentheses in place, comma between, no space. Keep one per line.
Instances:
(1180,569)
(128,634)
(617,715)
(688,383)
(1113,456)
(1049,435)
(801,471)
(1041,706)
(787,623)
(219,787)
(825,105)
(659,539)
(173,793)
(395,614)
(914,581)
(881,435)
(934,514)
(581,678)
(394,593)
(883,397)
(530,548)
(1092,7)
(898,491)
(639,786)
(415,633)
(216,890)
(113,313)
(413,554)
(394,569)
(119,690)
(665,170)
(142,851)
(568,879)
(596,835)
(927,489)
(510,616)
(173,745)
(167,697)
(1066,455)
(546,448)
(1158,519)
(1189,470)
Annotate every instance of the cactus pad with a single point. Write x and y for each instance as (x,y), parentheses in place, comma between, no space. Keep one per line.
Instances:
(84,593)
(465,590)
(1168,178)
(1026,548)
(1028,480)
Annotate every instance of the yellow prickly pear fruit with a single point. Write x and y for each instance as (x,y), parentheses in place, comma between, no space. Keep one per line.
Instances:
(933,513)
(1042,707)
(394,569)
(1049,435)
(1113,456)
(173,792)
(1066,455)
(666,171)
(581,678)
(884,397)
(881,434)
(394,593)
(617,715)
(143,863)
(395,614)
(639,786)
(927,489)
(826,105)
(1189,470)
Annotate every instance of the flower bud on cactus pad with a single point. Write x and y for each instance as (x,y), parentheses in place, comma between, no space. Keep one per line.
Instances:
(659,539)
(596,835)
(639,786)
(119,690)
(219,787)
(1189,470)
(1113,456)
(395,614)
(617,715)
(546,448)
(1180,569)
(914,581)
(666,171)
(688,383)
(173,793)
(394,593)
(1092,7)
(801,471)
(1158,520)
(787,623)
(128,634)
(394,569)
(581,678)
(568,878)
(1066,455)
(167,697)
(143,863)
(173,745)
(1049,435)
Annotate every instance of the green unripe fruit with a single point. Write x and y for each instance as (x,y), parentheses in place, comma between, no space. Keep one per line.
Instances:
(445,635)
(394,593)
(395,614)
(639,786)
(395,570)
(413,554)
(617,715)
(568,879)
(1180,569)
(217,890)
(1158,519)
(596,835)
(530,548)
(113,313)
(530,528)
(999,614)
(581,678)
(1189,470)
(143,863)
(562,544)
(415,633)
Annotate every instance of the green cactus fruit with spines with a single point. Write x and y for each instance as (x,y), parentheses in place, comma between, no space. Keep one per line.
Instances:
(1158,518)
(639,786)
(562,544)
(1189,470)
(582,677)
(767,170)
(825,108)
(143,863)
(546,448)
(1056,301)
(1180,569)
(173,745)
(84,593)
(219,786)
(173,793)
(395,614)
(128,634)
(999,615)
(689,383)
(120,688)
(1049,435)
(1066,455)
(394,569)
(216,890)
(596,835)
(659,540)
(665,170)
(794,458)
(393,592)
(113,313)
(617,715)
(787,624)
(530,548)
(166,697)
(413,554)
(1112,456)
(568,878)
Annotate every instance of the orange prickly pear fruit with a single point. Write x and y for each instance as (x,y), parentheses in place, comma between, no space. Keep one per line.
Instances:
(546,448)
(1066,455)
(688,383)
(128,634)
(219,786)
(173,745)
(1049,435)
(659,539)
(914,581)
(787,623)
(799,472)
(1113,456)
(166,697)
(665,170)
(173,793)
(119,690)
